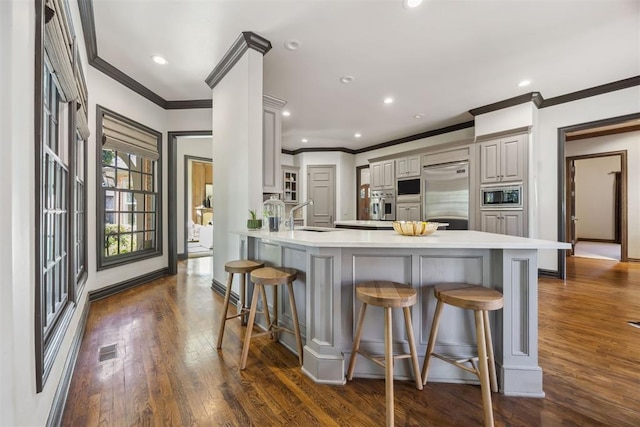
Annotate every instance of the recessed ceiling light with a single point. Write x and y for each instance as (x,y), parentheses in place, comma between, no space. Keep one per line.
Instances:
(305,140)
(418,116)
(388,100)
(347,79)
(524,83)
(410,4)
(292,44)
(159,60)
(358,135)
(286,113)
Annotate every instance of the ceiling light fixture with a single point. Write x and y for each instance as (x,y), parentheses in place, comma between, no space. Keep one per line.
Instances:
(305,140)
(412,4)
(347,79)
(524,83)
(418,116)
(159,60)
(292,44)
(286,113)
(358,135)
(388,100)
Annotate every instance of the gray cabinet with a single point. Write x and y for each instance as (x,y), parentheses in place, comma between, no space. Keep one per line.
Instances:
(408,166)
(271,143)
(503,159)
(290,184)
(503,222)
(382,175)
(408,212)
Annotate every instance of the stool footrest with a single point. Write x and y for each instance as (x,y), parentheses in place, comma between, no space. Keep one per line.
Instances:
(460,363)
(379,360)
(243,312)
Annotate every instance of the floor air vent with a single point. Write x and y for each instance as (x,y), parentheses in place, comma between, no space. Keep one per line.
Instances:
(108,352)
(635,324)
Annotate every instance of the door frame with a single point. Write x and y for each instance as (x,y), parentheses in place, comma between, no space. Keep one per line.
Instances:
(358,183)
(562,199)
(172,196)
(187,159)
(623,199)
(335,204)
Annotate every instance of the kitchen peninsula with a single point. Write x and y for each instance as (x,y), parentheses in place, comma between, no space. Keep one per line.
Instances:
(333,261)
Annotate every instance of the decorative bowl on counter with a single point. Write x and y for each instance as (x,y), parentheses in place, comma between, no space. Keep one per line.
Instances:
(415,228)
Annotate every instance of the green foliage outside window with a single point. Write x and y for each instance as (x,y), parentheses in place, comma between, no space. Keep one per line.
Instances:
(117,235)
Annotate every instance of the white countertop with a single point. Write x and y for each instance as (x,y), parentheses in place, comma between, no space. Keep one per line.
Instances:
(441,239)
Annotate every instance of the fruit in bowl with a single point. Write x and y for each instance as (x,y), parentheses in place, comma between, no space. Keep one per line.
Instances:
(415,228)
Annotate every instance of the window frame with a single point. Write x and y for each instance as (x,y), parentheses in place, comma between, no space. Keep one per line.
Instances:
(102,261)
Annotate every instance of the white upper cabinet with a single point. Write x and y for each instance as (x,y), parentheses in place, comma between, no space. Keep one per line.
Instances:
(408,166)
(271,144)
(382,175)
(503,159)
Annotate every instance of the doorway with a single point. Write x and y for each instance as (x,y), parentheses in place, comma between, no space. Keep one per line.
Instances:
(596,205)
(321,188)
(363,193)
(198,191)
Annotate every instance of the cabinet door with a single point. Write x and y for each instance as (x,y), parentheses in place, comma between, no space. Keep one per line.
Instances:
(413,166)
(271,144)
(512,158)
(490,222)
(402,213)
(376,176)
(413,212)
(490,161)
(512,223)
(402,168)
(388,175)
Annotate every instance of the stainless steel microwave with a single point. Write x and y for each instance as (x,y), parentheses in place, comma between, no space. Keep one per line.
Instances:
(501,197)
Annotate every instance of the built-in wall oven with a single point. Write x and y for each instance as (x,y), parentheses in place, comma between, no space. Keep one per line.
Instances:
(383,205)
(501,197)
(408,190)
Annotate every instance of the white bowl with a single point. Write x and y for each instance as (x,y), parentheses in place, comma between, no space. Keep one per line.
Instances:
(415,228)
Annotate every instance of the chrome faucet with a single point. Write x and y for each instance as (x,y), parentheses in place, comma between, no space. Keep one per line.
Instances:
(295,208)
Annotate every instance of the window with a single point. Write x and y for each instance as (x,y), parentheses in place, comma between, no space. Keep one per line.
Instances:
(60,174)
(129,193)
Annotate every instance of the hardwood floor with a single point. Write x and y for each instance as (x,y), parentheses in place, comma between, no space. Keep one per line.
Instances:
(168,373)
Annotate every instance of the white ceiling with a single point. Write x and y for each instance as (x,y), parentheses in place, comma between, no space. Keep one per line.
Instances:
(441,59)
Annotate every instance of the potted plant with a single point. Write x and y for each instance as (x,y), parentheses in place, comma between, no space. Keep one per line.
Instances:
(254,223)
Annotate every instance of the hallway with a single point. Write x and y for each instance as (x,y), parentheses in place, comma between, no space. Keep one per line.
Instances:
(168,372)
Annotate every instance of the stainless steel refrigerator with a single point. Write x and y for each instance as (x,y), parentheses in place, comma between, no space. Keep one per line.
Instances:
(446,194)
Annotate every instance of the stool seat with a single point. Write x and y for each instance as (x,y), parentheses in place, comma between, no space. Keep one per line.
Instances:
(481,300)
(242,267)
(386,294)
(274,276)
(470,297)
(262,277)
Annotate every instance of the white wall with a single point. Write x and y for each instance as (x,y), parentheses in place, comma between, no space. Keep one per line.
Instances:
(237,139)
(195,119)
(508,118)
(595,197)
(196,147)
(631,143)
(612,104)
(345,179)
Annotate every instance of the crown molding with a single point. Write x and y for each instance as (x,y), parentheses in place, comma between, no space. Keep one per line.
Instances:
(273,102)
(189,104)
(245,41)
(593,91)
(534,97)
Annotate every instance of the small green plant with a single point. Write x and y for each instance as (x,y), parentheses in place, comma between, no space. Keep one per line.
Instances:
(252,212)
(254,223)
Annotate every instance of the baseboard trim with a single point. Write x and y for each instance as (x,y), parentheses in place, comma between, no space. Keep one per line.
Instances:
(588,239)
(62,392)
(633,259)
(183,256)
(127,284)
(548,273)
(221,289)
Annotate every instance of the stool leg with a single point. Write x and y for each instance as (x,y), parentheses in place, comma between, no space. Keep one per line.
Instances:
(492,362)
(296,326)
(388,364)
(482,368)
(243,301)
(412,347)
(265,306)
(432,341)
(274,336)
(225,310)
(356,342)
(252,318)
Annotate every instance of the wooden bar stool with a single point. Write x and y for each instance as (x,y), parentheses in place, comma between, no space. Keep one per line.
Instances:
(275,277)
(242,267)
(388,295)
(481,300)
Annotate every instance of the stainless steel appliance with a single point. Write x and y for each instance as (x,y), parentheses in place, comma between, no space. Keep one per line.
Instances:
(383,205)
(501,197)
(408,190)
(446,194)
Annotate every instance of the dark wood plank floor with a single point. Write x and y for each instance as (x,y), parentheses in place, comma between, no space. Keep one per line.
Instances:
(168,373)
